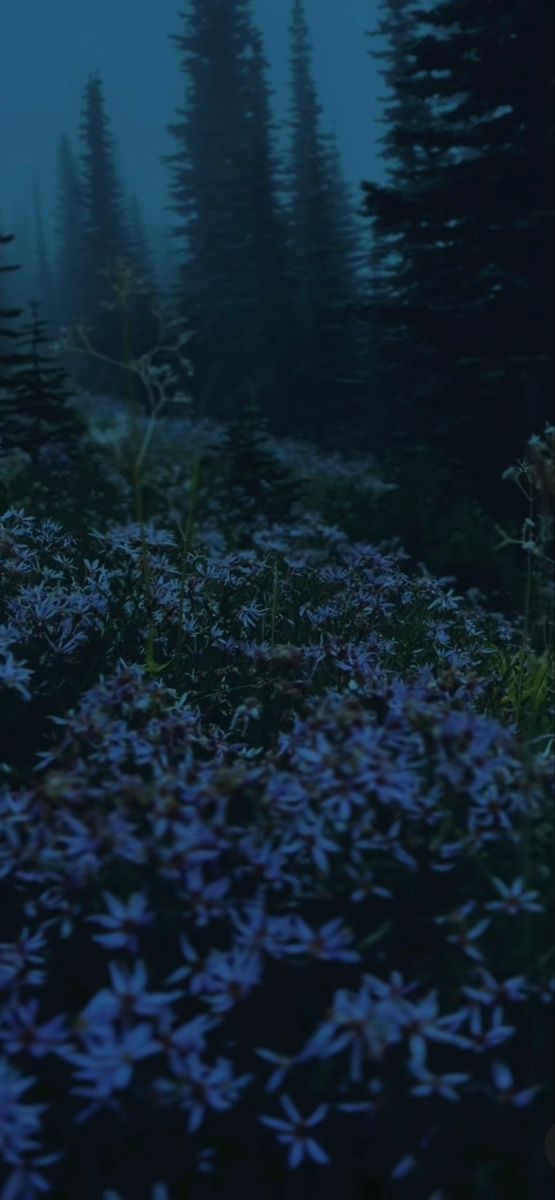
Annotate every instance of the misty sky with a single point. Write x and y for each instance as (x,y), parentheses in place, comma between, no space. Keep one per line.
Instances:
(49,47)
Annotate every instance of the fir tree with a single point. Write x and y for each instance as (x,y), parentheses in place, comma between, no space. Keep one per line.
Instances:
(138,243)
(105,240)
(10,356)
(324,249)
(230,280)
(271,316)
(44,282)
(143,300)
(468,210)
(69,261)
(255,481)
(38,419)
(21,283)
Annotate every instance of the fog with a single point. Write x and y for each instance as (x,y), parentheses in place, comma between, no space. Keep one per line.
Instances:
(47,51)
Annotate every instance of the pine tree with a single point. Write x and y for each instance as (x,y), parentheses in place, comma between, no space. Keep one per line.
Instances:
(143,301)
(38,417)
(324,249)
(469,211)
(139,244)
(231,278)
(44,282)
(255,481)
(392,377)
(271,315)
(10,356)
(105,240)
(69,262)
(22,283)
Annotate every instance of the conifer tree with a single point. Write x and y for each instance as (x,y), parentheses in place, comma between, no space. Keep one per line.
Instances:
(21,282)
(230,279)
(324,248)
(69,261)
(105,240)
(271,316)
(256,483)
(38,415)
(469,210)
(10,356)
(143,300)
(139,244)
(44,282)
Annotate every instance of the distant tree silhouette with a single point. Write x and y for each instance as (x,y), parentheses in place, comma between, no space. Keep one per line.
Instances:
(10,356)
(139,243)
(105,239)
(36,417)
(145,298)
(44,287)
(231,284)
(271,315)
(69,260)
(256,483)
(324,248)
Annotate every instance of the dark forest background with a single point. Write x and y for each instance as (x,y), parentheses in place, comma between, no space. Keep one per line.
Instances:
(433,349)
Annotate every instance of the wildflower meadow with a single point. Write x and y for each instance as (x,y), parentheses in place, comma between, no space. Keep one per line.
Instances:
(275,837)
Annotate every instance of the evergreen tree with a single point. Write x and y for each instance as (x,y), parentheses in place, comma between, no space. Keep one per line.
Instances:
(469,210)
(21,283)
(255,482)
(324,249)
(69,262)
(10,356)
(44,282)
(37,418)
(138,243)
(105,240)
(271,315)
(392,379)
(143,300)
(230,281)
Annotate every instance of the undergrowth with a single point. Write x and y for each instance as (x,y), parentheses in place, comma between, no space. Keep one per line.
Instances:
(275,827)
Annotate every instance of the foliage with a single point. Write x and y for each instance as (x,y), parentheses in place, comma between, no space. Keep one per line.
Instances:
(463,226)
(224,770)
(36,416)
(254,481)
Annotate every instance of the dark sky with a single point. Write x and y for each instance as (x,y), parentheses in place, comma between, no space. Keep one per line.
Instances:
(49,47)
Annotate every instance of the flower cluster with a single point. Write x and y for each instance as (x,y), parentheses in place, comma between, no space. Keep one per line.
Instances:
(292,857)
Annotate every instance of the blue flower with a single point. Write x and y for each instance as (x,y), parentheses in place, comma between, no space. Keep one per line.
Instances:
(106,1065)
(19,1122)
(124,920)
(20,1032)
(514,899)
(25,1181)
(329,943)
(127,996)
(295,1132)
(436,1085)
(506,1090)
